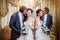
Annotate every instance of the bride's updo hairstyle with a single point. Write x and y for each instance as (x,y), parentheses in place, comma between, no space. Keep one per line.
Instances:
(37,12)
(30,10)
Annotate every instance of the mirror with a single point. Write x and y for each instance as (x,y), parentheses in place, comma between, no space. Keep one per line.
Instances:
(3,8)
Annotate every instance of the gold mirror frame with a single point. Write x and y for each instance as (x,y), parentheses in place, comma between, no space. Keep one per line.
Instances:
(3,8)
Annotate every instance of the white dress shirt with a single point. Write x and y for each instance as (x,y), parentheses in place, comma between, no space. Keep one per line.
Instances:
(45,19)
(21,19)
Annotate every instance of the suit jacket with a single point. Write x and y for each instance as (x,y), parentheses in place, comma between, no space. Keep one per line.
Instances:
(49,21)
(15,22)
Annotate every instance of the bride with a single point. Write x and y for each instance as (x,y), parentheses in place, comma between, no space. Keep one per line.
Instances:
(39,34)
(29,24)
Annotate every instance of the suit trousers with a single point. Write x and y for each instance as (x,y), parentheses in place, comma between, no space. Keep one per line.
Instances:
(14,35)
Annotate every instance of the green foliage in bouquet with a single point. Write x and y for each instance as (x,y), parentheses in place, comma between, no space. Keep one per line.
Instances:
(24,31)
(46,30)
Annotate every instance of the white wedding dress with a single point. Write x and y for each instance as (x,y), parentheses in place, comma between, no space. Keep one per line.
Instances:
(39,34)
(29,36)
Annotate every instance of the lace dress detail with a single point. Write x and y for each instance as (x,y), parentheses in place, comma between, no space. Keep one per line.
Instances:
(29,36)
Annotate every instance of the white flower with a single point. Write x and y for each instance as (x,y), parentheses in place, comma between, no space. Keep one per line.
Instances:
(24,31)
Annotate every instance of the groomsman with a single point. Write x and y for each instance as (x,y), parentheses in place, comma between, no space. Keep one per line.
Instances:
(16,22)
(47,18)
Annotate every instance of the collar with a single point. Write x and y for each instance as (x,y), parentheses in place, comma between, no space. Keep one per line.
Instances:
(45,14)
(20,13)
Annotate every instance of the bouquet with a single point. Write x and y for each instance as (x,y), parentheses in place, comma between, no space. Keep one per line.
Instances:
(24,30)
(46,30)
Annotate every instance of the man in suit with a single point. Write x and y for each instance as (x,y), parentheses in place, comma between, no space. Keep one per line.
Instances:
(17,22)
(47,18)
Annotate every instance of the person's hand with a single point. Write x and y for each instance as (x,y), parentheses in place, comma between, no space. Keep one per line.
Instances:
(21,32)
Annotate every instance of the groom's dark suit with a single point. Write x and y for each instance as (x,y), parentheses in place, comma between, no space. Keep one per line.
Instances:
(15,26)
(48,21)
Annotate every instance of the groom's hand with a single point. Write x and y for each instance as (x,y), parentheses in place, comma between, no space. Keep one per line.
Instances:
(21,32)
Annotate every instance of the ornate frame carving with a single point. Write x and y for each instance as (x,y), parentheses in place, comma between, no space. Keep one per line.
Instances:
(13,2)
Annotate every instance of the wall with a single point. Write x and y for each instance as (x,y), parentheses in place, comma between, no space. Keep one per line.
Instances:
(58,20)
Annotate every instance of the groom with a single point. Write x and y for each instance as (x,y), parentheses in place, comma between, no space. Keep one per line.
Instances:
(16,22)
(47,18)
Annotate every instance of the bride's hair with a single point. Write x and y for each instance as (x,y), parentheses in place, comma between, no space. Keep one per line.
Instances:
(37,12)
(25,16)
(30,10)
